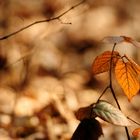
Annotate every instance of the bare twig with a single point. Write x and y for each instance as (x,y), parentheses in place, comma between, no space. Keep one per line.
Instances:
(42,21)
(20,59)
(64,22)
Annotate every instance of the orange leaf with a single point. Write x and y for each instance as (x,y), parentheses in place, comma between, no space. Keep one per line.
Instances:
(102,62)
(127,78)
(135,66)
(136,132)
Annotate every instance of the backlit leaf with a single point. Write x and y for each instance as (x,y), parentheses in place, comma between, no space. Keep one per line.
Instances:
(109,113)
(134,65)
(127,78)
(120,39)
(102,62)
(113,39)
(88,129)
(136,132)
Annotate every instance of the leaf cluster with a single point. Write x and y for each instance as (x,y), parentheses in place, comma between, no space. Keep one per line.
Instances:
(126,70)
(127,74)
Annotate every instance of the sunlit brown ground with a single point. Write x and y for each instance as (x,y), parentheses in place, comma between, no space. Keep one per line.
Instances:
(45,71)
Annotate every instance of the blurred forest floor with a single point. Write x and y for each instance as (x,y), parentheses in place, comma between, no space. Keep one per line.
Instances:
(45,71)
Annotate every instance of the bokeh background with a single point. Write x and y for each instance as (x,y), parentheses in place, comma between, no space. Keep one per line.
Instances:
(45,71)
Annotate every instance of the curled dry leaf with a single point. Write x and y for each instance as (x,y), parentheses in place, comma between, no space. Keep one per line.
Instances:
(109,113)
(120,39)
(88,129)
(127,77)
(136,132)
(132,41)
(102,62)
(85,113)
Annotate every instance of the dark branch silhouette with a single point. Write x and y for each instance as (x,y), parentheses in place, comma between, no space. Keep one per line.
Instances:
(42,21)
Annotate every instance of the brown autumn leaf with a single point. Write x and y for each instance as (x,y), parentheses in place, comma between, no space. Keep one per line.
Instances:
(127,77)
(136,132)
(102,62)
(85,113)
(88,129)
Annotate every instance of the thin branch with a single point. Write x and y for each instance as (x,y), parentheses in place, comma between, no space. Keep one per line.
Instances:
(133,121)
(20,59)
(110,71)
(110,77)
(102,93)
(114,96)
(113,93)
(112,90)
(64,22)
(42,21)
